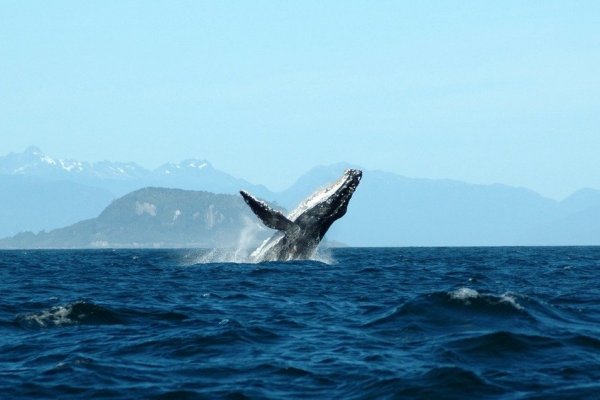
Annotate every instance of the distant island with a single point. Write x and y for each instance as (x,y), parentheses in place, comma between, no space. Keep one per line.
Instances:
(51,203)
(154,218)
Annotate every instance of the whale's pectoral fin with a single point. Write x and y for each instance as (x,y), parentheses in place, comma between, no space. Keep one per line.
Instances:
(270,217)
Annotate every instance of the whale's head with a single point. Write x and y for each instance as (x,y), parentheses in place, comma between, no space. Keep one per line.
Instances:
(344,189)
(327,205)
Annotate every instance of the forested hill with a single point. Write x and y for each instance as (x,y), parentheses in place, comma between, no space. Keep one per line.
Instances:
(155,217)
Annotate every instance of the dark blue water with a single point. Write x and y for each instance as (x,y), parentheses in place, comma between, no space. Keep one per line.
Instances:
(376,323)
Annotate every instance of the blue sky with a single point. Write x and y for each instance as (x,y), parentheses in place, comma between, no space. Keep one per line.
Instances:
(482,92)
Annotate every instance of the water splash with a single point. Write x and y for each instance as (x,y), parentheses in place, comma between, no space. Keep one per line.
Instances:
(250,237)
(324,255)
(220,256)
(464,294)
(238,256)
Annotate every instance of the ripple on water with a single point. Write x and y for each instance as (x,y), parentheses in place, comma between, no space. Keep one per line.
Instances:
(379,323)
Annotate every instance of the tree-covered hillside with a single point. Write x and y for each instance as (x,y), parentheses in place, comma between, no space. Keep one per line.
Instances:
(155,217)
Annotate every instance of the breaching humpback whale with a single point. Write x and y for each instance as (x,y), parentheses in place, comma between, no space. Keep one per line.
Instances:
(299,233)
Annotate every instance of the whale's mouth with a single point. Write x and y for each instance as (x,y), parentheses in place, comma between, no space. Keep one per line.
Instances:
(352,178)
(353,172)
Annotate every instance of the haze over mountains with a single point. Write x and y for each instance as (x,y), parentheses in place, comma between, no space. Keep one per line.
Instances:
(120,178)
(41,192)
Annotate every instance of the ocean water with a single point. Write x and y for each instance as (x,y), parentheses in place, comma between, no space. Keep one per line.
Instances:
(506,323)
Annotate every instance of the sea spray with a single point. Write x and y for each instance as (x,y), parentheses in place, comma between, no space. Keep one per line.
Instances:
(251,236)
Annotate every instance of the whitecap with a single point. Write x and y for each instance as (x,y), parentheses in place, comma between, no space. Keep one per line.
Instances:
(69,314)
(464,294)
(55,316)
(510,299)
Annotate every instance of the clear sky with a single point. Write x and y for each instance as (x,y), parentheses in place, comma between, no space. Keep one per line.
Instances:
(478,91)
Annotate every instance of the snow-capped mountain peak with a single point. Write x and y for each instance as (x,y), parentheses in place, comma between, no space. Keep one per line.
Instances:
(184,167)
(121,177)
(34,162)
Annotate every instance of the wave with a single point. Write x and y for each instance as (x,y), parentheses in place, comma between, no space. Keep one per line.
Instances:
(505,302)
(89,313)
(222,334)
(503,342)
(560,354)
(440,382)
(79,312)
(382,323)
(454,307)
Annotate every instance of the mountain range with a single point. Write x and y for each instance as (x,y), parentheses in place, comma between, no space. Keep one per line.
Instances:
(44,193)
(40,192)
(120,177)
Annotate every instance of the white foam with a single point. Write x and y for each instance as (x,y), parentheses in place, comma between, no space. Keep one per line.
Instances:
(467,294)
(216,256)
(56,316)
(464,294)
(510,299)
